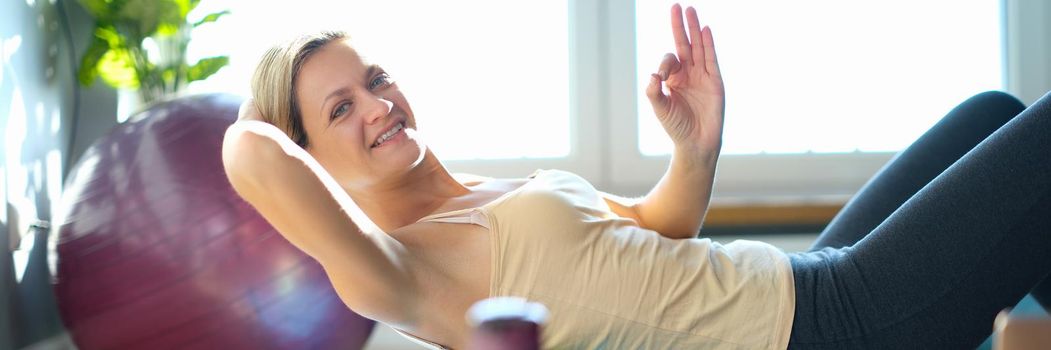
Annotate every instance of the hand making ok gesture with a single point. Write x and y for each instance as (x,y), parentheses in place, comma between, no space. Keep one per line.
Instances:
(692,110)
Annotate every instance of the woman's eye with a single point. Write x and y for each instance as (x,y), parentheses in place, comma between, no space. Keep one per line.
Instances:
(340,109)
(380,80)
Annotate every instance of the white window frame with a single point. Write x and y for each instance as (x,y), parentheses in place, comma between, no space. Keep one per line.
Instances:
(604,134)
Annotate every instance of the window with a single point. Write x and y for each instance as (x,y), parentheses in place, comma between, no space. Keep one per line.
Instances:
(820,93)
(832,76)
(826,157)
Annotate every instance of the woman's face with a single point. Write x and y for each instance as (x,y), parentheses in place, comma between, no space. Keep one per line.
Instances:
(358,124)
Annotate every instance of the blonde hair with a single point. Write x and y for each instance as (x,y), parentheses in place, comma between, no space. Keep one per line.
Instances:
(274,82)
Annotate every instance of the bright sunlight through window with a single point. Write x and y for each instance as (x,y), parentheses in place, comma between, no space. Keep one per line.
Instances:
(832,76)
(465,71)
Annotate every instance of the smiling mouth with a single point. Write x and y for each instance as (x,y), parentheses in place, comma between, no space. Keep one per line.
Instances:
(389,134)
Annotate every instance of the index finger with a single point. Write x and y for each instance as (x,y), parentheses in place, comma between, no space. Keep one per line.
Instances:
(682,44)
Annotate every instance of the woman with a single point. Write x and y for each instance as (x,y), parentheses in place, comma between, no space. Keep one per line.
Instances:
(330,133)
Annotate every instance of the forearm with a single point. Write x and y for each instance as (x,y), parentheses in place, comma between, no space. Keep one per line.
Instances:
(676,206)
(295,195)
(283,184)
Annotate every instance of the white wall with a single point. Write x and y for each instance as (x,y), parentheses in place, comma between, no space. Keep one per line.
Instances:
(1028,39)
(38,99)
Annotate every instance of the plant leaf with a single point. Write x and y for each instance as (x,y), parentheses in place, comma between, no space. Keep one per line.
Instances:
(173,16)
(149,14)
(168,75)
(185,6)
(212,17)
(140,15)
(205,68)
(168,29)
(108,33)
(118,69)
(99,8)
(87,72)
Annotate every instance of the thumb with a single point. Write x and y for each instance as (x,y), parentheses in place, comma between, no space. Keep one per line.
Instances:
(655,93)
(669,65)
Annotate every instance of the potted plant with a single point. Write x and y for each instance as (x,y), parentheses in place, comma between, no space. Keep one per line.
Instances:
(140,45)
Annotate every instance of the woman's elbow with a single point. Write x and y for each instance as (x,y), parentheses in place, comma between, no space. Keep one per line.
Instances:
(246,151)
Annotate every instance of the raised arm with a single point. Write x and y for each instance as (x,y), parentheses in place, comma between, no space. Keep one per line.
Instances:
(691,112)
(292,191)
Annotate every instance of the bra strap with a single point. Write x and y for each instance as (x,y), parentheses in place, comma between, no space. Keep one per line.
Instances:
(465,216)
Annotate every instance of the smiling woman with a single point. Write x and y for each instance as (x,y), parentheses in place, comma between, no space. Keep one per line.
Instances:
(352,108)
(436,251)
(338,137)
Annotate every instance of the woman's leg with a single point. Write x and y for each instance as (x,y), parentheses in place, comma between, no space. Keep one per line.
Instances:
(940,267)
(955,134)
(958,132)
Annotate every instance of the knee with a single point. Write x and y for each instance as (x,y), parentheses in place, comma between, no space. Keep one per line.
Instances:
(998,100)
(986,111)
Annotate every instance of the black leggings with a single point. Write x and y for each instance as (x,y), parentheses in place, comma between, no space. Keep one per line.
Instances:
(954,229)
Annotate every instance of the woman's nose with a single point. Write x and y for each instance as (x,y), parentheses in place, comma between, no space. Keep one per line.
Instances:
(376,107)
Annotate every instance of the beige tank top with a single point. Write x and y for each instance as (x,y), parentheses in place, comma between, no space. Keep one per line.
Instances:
(610,284)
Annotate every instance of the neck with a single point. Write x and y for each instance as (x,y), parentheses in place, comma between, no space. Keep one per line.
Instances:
(400,202)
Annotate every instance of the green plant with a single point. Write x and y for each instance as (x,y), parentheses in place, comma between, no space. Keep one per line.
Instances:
(142,44)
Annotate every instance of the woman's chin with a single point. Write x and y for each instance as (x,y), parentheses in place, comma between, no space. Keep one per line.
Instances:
(404,155)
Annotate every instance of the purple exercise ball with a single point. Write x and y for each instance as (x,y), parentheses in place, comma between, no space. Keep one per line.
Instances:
(156,250)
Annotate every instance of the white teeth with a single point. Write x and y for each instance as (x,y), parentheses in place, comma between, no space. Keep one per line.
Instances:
(387,135)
